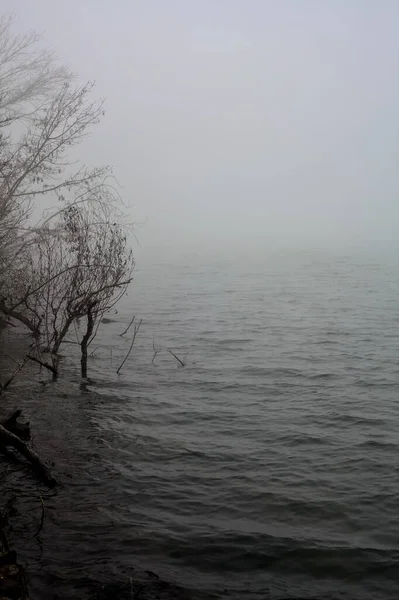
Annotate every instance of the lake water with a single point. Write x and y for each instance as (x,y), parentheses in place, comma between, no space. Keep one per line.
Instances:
(267,467)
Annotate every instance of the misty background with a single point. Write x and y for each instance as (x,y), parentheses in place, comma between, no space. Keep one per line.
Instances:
(240,127)
(256,145)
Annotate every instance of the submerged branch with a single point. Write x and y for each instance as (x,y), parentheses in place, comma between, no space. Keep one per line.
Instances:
(43,364)
(136,329)
(129,326)
(5,385)
(156,351)
(182,363)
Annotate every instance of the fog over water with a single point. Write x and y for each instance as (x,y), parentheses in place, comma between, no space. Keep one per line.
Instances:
(240,125)
(256,148)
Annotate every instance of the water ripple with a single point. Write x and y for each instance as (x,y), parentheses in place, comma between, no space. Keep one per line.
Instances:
(265,468)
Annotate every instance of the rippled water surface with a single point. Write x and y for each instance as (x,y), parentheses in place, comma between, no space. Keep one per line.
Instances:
(267,467)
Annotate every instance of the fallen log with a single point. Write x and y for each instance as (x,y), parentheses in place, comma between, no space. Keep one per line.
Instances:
(39,467)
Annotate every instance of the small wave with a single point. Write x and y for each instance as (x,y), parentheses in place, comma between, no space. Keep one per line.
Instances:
(353,420)
(255,553)
(269,371)
(380,383)
(388,446)
(346,563)
(227,342)
(333,332)
(304,439)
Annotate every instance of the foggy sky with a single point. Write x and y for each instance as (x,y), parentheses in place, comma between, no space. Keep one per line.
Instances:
(241,124)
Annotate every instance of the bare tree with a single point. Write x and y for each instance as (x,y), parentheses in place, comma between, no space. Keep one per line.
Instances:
(42,115)
(82,267)
(29,77)
(75,262)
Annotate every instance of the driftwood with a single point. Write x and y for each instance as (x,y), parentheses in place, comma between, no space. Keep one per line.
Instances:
(13,434)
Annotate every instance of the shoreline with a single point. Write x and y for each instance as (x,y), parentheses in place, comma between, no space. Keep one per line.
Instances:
(25,392)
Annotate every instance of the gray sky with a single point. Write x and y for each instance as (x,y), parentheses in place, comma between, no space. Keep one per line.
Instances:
(241,124)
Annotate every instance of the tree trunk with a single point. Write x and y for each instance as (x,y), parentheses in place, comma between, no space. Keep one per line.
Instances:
(85,341)
(58,341)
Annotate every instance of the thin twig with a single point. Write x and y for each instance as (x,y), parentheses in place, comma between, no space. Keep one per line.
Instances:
(183,364)
(5,385)
(9,323)
(13,360)
(129,326)
(136,329)
(43,364)
(156,351)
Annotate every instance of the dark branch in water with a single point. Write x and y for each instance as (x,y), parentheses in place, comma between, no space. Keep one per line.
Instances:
(183,364)
(156,351)
(5,385)
(43,364)
(93,351)
(136,330)
(85,340)
(129,326)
